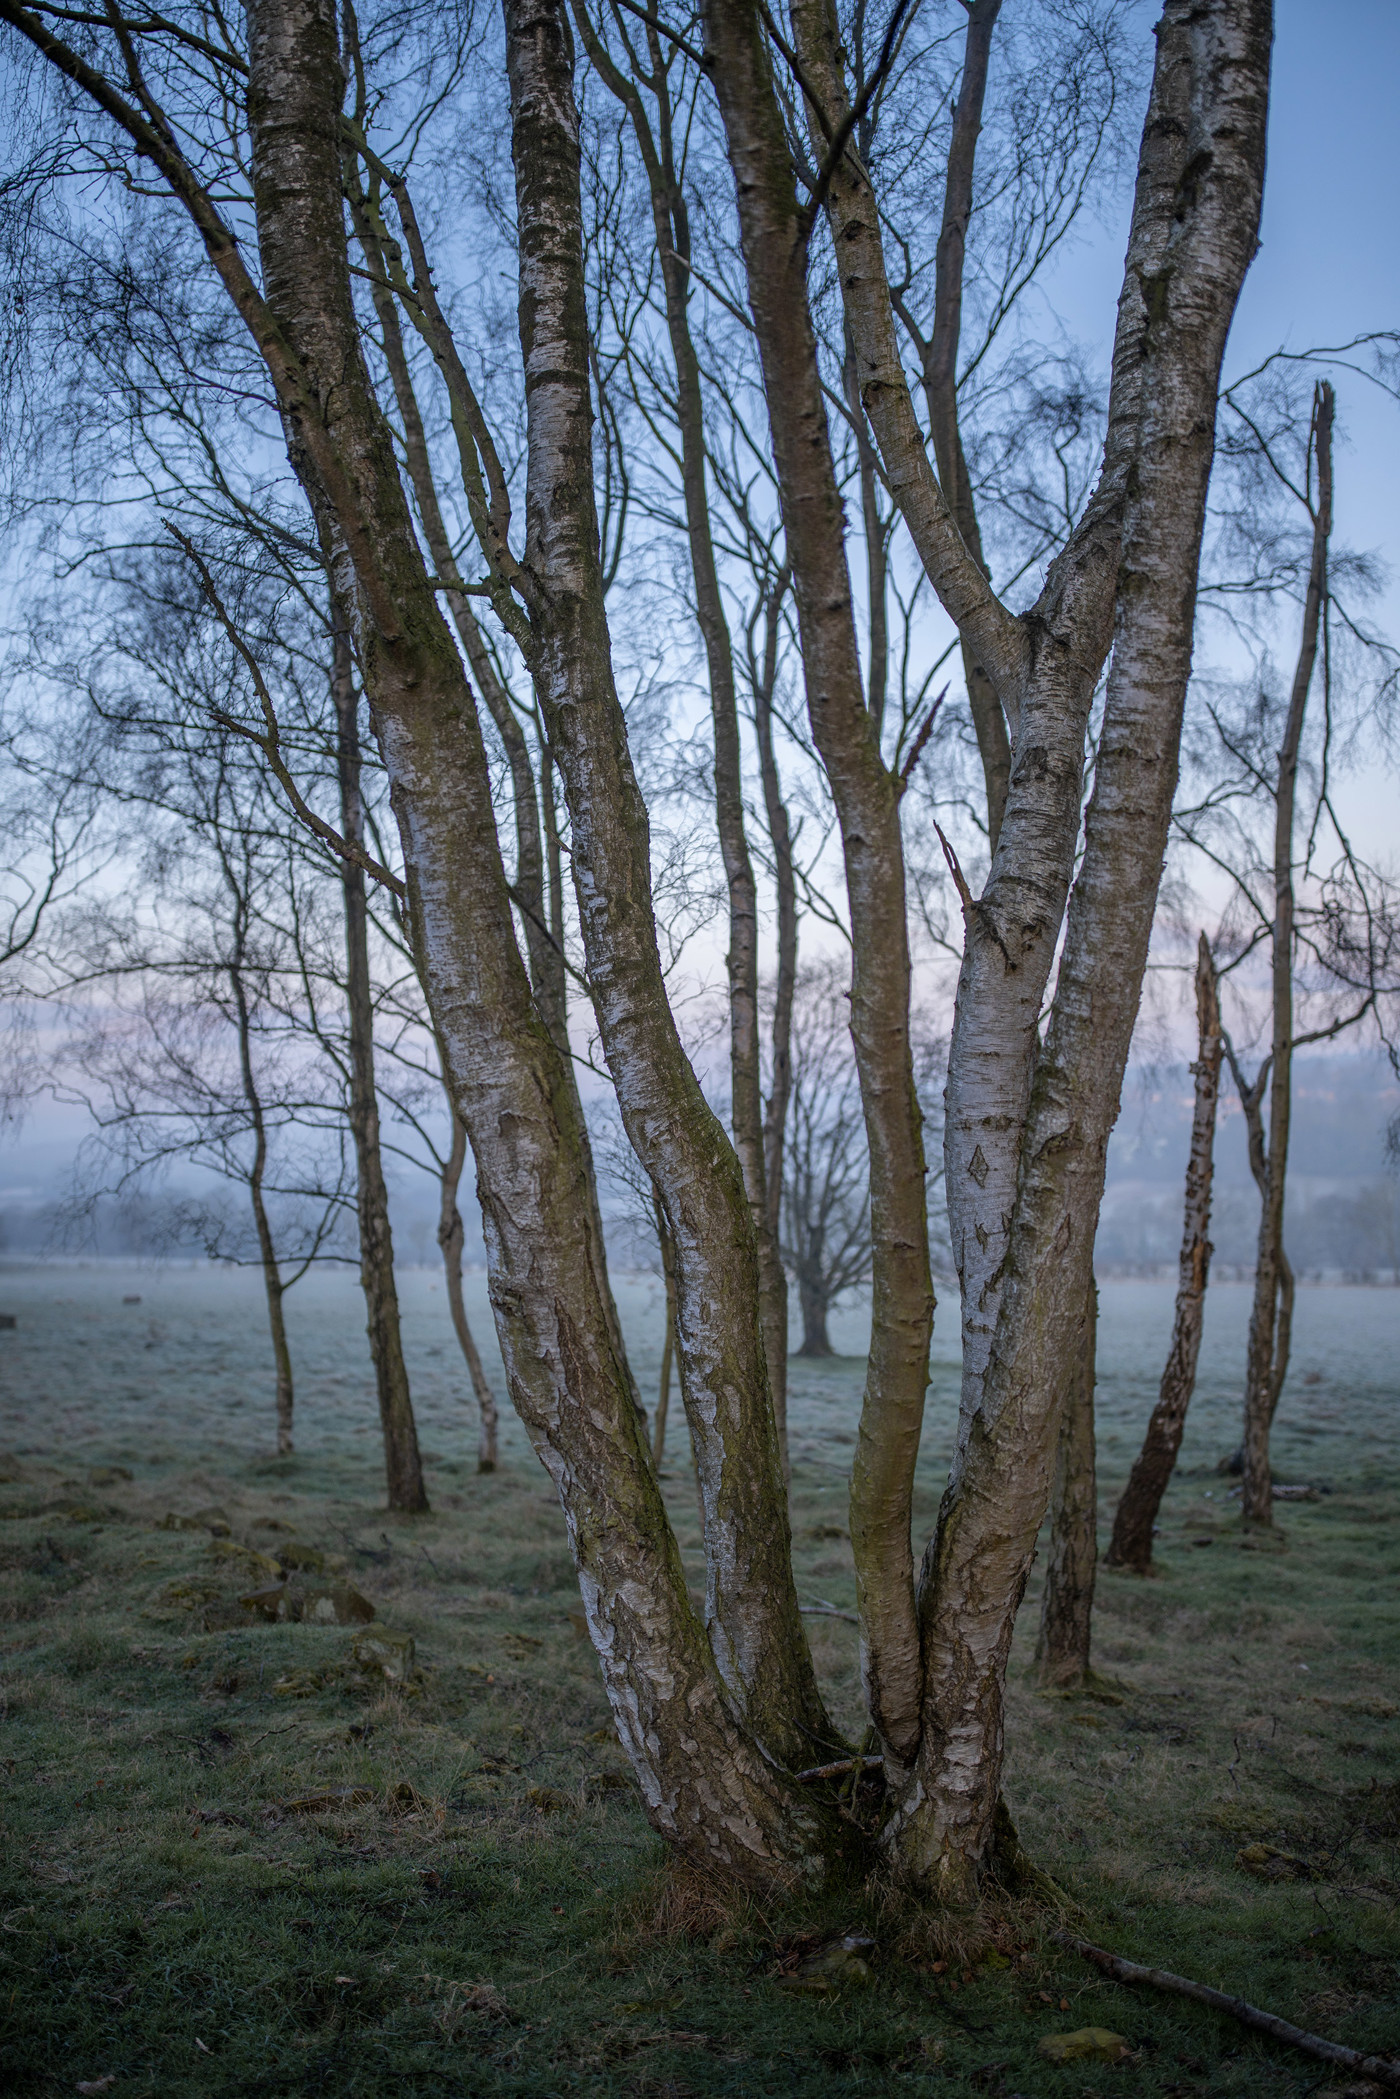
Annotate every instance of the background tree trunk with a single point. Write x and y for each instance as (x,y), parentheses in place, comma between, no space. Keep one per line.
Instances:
(1067,1607)
(814,1306)
(1131,1543)
(1271,1321)
(402,1464)
(451,1238)
(267,1250)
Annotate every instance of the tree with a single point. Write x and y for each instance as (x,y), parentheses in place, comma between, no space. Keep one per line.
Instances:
(826,1186)
(188,1060)
(1028,1115)
(1328,932)
(1136,1518)
(737,1700)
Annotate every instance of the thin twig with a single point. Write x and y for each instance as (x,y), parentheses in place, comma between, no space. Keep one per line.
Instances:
(840,1769)
(1377,2068)
(965,896)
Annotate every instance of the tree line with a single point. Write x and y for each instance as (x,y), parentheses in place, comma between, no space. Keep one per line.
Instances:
(492,568)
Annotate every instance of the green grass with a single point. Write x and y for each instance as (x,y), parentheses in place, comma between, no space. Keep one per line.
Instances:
(170,1923)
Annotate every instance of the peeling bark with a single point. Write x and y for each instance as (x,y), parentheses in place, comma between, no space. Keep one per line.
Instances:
(1131,1543)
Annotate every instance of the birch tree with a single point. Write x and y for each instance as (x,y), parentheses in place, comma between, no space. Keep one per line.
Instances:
(719,1717)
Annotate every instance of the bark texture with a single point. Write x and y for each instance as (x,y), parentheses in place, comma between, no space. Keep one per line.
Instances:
(1271,1319)
(1194,232)
(774,240)
(1067,1608)
(403,1467)
(1131,1543)
(751,1597)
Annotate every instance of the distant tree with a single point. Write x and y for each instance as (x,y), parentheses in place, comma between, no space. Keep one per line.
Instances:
(181,1050)
(1131,1544)
(826,1185)
(1300,893)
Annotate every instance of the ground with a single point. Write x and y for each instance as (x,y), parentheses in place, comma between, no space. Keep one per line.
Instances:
(239,1860)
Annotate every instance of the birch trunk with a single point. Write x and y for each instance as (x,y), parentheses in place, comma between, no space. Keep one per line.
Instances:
(1270,1326)
(706,1784)
(1043,668)
(765,678)
(668,1345)
(671,221)
(402,1464)
(1131,1543)
(1194,233)
(939,359)
(774,242)
(452,1238)
(751,1597)
(1067,1607)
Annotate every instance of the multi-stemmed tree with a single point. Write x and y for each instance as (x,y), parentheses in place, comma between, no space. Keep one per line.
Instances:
(720,1715)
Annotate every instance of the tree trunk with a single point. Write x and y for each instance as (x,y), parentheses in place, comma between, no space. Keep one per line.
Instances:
(671,220)
(267,1250)
(751,1596)
(774,240)
(939,358)
(1194,231)
(402,1465)
(1270,1326)
(813,1305)
(765,678)
(1067,1607)
(706,1784)
(1131,1543)
(451,1238)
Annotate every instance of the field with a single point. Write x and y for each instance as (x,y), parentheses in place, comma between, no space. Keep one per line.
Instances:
(238,1860)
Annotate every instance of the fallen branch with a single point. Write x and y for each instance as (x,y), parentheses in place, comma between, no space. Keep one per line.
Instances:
(846,1765)
(827,1610)
(1376,2067)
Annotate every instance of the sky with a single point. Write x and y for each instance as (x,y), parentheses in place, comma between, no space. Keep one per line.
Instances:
(1328,268)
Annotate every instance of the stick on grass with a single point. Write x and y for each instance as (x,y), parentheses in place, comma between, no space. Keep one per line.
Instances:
(1375,2067)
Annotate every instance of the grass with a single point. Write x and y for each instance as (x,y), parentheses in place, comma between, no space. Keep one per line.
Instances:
(475,1904)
